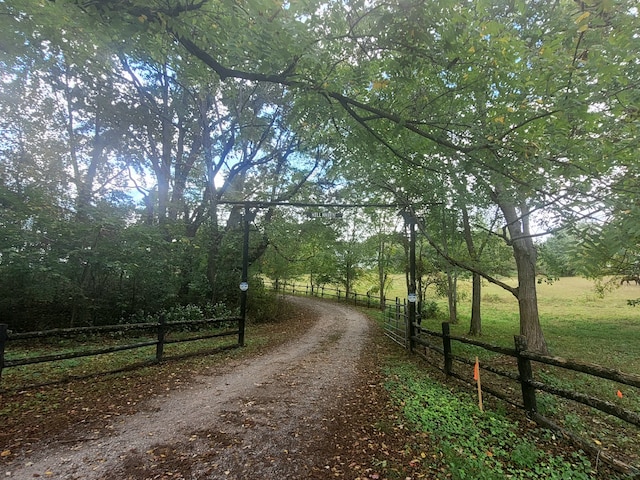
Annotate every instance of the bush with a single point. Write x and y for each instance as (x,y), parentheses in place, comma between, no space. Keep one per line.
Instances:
(492,298)
(430,310)
(218,310)
(265,307)
(180,313)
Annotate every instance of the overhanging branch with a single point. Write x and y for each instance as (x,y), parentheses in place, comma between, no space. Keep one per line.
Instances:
(464,266)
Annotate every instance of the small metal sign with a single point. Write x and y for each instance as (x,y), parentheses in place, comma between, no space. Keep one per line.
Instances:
(324,214)
(412,297)
(244,286)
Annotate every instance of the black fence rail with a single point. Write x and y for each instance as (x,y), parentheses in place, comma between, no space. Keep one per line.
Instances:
(225,327)
(423,344)
(358,299)
(436,348)
(396,313)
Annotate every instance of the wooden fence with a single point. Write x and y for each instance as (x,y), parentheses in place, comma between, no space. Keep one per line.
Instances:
(358,299)
(436,347)
(523,360)
(396,313)
(228,326)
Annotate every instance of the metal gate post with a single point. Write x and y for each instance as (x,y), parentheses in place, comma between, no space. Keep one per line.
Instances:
(244,283)
(411,221)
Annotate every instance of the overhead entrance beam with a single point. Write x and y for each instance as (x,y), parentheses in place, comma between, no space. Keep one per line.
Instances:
(267,204)
(244,281)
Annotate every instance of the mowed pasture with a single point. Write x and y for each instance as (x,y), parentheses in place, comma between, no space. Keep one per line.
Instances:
(577,321)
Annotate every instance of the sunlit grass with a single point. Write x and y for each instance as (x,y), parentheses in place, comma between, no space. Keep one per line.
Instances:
(577,321)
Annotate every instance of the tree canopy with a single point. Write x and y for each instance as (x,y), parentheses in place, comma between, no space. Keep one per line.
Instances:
(526,107)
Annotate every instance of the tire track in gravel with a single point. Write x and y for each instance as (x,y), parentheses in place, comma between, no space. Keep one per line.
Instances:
(262,419)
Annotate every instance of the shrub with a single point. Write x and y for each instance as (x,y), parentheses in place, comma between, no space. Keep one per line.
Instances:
(265,307)
(430,310)
(180,313)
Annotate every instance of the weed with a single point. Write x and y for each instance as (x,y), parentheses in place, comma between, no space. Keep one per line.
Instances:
(431,310)
(525,454)
(491,298)
(547,404)
(574,422)
(476,445)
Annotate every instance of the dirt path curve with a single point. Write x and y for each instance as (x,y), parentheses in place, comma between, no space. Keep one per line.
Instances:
(262,419)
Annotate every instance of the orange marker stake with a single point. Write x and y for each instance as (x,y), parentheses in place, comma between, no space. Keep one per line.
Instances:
(476,377)
(619,394)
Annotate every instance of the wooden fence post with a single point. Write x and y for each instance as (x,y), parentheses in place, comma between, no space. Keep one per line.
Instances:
(526,375)
(161,334)
(446,346)
(338,293)
(3,339)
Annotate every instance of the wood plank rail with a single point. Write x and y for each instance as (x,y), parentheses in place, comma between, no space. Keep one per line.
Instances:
(526,357)
(529,387)
(161,329)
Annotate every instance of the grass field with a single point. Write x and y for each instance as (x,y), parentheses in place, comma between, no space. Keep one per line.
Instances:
(577,322)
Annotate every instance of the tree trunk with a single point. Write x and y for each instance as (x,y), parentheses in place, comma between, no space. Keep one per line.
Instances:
(348,277)
(162,166)
(525,254)
(382,275)
(212,265)
(475,327)
(452,284)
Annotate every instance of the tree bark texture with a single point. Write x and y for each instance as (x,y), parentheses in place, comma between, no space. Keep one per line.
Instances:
(475,327)
(525,254)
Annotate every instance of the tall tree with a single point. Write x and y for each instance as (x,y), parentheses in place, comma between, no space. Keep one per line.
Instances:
(529,95)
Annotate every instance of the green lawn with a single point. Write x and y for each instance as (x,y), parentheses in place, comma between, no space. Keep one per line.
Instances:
(577,322)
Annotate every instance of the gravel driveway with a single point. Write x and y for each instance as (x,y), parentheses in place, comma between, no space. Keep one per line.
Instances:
(265,418)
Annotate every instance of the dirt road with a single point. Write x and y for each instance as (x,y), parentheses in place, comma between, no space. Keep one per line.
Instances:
(265,418)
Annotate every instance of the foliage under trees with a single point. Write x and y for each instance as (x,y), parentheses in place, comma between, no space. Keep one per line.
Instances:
(523,112)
